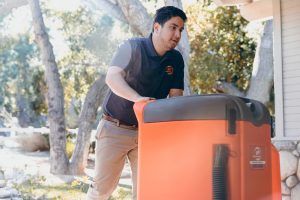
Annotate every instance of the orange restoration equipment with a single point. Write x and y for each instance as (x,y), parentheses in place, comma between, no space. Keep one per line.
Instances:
(206,147)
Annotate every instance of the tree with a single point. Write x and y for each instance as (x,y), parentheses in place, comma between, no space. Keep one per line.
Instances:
(55,95)
(222,56)
(20,80)
(89,52)
(261,81)
(26,95)
(86,120)
(8,72)
(221,49)
(79,59)
(59,161)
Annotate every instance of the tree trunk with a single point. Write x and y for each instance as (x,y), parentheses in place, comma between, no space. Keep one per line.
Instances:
(55,95)
(262,74)
(87,118)
(111,8)
(24,111)
(137,17)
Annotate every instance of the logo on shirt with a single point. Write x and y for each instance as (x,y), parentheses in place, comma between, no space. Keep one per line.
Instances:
(169,70)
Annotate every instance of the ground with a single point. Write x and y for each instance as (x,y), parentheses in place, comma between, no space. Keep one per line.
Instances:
(29,173)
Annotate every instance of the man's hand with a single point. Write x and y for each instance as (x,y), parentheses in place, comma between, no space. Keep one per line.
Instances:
(175,92)
(140,98)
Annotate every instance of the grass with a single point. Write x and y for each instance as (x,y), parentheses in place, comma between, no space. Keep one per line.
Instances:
(36,189)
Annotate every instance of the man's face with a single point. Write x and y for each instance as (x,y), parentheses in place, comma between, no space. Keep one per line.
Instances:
(170,33)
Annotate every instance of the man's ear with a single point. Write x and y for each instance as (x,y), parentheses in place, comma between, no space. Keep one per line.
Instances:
(156,27)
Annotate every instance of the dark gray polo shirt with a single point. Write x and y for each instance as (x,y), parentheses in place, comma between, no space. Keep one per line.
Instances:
(147,73)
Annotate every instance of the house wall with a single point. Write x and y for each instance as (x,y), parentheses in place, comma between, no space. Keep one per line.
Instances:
(290,18)
(287,68)
(286,19)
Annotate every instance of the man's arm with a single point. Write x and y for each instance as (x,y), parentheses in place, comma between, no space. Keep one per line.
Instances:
(116,82)
(175,92)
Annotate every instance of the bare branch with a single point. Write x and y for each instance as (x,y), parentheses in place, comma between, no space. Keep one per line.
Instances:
(228,88)
(86,64)
(111,8)
(137,16)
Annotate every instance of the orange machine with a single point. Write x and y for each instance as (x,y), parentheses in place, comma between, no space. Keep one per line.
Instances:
(206,147)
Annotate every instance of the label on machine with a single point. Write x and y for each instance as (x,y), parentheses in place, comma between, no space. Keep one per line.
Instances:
(257,157)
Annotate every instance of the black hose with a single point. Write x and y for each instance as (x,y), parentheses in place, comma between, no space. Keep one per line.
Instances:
(220,172)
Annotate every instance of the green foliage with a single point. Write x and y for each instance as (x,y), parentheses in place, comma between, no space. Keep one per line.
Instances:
(101,42)
(70,146)
(27,188)
(121,194)
(89,42)
(36,188)
(220,48)
(18,77)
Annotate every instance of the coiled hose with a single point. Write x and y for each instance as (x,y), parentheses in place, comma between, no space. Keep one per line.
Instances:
(220,172)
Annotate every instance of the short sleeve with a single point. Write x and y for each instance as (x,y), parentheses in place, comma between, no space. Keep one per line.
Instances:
(178,80)
(122,56)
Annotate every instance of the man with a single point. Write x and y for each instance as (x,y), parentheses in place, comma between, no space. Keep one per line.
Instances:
(141,69)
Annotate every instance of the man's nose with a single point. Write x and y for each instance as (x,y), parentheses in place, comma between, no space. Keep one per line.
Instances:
(178,34)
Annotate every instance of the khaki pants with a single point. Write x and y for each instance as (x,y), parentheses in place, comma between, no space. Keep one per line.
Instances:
(113,145)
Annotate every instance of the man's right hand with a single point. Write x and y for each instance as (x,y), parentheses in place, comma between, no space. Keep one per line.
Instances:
(140,98)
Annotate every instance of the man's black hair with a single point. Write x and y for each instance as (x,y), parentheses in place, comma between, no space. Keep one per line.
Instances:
(167,12)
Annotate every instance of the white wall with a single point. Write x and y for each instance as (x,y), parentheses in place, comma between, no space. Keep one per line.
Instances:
(290,18)
(287,40)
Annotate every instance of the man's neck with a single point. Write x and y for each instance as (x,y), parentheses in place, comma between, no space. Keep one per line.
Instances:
(158,48)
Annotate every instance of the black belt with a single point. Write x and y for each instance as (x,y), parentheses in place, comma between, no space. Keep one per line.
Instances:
(118,122)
